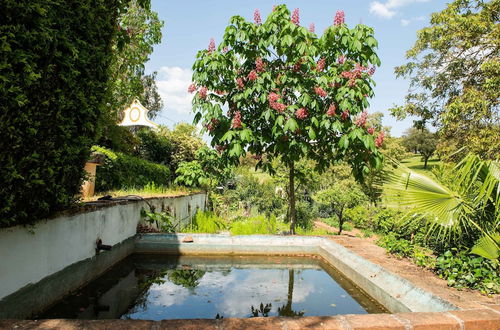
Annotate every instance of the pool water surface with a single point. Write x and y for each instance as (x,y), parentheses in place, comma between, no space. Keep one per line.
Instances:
(156,287)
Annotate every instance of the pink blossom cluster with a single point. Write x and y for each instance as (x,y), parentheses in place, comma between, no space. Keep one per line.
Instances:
(252,76)
(259,64)
(331,110)
(320,66)
(361,121)
(225,49)
(274,104)
(211,46)
(295,17)
(360,68)
(354,74)
(339,18)
(379,140)
(256,17)
(220,148)
(240,83)
(312,27)
(220,92)
(203,92)
(191,88)
(320,91)
(301,113)
(236,123)
(212,124)
(297,65)
(371,72)
(371,130)
(257,157)
(341,59)
(345,114)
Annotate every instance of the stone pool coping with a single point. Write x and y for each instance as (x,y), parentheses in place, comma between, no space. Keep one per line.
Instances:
(395,293)
(480,319)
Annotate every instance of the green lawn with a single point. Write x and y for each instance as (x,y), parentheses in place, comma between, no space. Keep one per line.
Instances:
(416,164)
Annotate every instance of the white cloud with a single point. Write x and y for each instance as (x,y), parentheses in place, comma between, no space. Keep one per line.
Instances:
(387,9)
(270,286)
(173,83)
(381,10)
(405,22)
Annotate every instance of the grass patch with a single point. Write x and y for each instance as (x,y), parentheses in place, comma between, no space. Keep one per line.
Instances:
(205,222)
(150,190)
(257,225)
(416,164)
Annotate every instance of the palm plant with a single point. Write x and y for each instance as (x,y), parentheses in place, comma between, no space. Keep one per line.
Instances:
(466,205)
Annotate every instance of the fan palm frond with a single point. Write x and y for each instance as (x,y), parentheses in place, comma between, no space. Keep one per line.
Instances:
(469,202)
(487,247)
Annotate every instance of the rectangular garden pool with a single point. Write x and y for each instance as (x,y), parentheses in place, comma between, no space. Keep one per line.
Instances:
(157,286)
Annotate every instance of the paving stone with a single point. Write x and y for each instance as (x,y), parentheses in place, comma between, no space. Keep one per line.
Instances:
(374,322)
(421,321)
(313,322)
(479,319)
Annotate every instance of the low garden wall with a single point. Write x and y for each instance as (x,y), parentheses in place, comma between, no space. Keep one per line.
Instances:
(32,255)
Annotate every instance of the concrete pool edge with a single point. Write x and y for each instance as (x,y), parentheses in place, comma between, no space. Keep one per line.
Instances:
(392,291)
(485,319)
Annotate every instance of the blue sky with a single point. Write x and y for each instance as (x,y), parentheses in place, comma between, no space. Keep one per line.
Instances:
(189,25)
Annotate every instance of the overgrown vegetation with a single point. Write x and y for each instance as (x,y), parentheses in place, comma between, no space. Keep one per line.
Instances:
(121,171)
(54,84)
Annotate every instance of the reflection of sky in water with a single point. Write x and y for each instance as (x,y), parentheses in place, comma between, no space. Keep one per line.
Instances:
(232,294)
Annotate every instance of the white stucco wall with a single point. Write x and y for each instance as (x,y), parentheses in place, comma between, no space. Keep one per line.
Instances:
(29,256)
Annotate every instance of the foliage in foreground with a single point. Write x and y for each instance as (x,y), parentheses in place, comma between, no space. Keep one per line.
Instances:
(463,207)
(121,171)
(53,90)
(459,268)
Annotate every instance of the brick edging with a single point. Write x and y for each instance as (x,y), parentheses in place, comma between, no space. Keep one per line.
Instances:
(483,319)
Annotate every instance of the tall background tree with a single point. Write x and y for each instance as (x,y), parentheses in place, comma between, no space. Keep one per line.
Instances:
(141,30)
(278,90)
(454,72)
(420,141)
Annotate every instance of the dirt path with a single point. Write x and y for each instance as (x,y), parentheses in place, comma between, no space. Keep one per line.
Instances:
(424,278)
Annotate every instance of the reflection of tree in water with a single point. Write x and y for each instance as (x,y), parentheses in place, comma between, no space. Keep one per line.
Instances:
(286,310)
(188,278)
(262,311)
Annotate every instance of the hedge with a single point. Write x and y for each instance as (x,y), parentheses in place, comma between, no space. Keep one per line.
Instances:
(121,171)
(54,69)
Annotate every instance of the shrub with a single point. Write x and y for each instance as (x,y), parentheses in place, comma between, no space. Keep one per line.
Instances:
(163,220)
(121,171)
(254,193)
(154,147)
(54,69)
(255,225)
(306,212)
(459,268)
(205,222)
(359,215)
(398,247)
(462,270)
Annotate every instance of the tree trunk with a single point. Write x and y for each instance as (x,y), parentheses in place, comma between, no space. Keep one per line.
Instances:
(293,213)
(289,300)
(425,161)
(341,222)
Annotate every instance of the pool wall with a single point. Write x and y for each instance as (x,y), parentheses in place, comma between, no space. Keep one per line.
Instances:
(35,259)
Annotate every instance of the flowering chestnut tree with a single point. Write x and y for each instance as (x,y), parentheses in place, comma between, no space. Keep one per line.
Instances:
(277,89)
